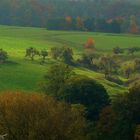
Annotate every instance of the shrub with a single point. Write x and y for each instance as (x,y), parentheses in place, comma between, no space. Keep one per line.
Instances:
(37,117)
(31,53)
(55,79)
(3,56)
(44,54)
(118,50)
(85,91)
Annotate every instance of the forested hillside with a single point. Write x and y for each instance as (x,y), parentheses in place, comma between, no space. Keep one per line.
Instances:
(37,12)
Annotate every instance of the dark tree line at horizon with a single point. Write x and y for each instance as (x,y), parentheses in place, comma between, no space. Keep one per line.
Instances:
(38,12)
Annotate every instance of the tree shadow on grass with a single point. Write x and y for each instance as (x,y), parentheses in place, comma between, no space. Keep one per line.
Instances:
(9,63)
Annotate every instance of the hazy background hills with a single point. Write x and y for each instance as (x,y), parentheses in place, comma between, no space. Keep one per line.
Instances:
(36,12)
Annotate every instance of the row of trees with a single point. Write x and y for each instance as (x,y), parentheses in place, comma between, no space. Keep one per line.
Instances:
(90,24)
(32,52)
(132,50)
(37,12)
(65,54)
(113,25)
(108,64)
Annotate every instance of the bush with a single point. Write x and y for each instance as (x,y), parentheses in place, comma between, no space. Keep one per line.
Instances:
(37,117)
(43,54)
(85,91)
(3,56)
(31,53)
(118,50)
(127,110)
(55,79)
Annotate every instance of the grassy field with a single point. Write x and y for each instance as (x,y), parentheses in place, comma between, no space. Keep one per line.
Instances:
(22,74)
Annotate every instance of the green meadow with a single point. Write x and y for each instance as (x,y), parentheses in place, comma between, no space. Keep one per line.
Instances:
(22,74)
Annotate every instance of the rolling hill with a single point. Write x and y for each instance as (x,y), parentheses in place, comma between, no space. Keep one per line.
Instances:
(22,74)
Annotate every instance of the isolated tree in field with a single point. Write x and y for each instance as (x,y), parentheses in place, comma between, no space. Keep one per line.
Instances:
(85,91)
(36,117)
(3,56)
(118,50)
(31,53)
(89,46)
(67,55)
(64,53)
(90,43)
(133,25)
(56,52)
(55,79)
(43,54)
(87,59)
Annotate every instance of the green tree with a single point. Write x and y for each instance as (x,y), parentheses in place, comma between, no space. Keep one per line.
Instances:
(118,50)
(55,79)
(87,60)
(44,54)
(85,91)
(67,55)
(3,56)
(126,107)
(31,53)
(108,65)
(56,52)
(128,68)
(105,124)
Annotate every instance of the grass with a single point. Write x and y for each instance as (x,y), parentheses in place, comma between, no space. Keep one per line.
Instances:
(22,74)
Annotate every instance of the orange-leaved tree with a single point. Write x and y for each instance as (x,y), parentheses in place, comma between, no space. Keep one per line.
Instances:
(133,25)
(89,45)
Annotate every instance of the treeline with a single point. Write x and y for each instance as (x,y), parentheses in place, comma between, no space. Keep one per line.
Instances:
(90,24)
(113,25)
(38,12)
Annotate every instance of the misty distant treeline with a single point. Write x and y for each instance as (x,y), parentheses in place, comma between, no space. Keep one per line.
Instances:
(38,12)
(88,24)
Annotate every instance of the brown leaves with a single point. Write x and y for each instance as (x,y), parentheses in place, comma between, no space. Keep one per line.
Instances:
(36,117)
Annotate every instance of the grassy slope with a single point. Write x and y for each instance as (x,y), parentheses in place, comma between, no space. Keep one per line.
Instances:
(21,74)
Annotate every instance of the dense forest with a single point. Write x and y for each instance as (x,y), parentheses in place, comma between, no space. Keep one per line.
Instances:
(39,12)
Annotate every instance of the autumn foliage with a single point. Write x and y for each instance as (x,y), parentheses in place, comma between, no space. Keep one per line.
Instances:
(133,25)
(89,46)
(37,117)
